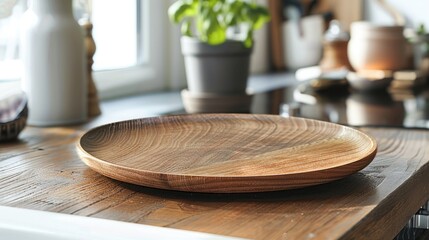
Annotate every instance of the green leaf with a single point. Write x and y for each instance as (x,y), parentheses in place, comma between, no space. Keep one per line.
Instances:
(256,16)
(214,17)
(186,28)
(181,9)
(235,6)
(212,33)
(201,17)
(216,36)
(231,20)
(232,13)
(262,16)
(248,41)
(211,3)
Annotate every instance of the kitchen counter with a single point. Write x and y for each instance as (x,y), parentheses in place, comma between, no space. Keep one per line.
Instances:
(42,171)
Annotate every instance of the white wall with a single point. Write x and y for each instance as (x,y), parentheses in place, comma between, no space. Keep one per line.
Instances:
(414,11)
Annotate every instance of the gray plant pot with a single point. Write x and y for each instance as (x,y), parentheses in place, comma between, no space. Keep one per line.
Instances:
(219,69)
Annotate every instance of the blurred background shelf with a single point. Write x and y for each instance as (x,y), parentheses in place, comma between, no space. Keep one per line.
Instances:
(344,11)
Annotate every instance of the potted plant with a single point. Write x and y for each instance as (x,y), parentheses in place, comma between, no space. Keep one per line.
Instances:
(216,43)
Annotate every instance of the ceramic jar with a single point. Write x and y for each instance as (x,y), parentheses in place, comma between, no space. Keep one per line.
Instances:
(54,64)
(373,47)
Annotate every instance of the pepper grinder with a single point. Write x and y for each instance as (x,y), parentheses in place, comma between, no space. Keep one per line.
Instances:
(335,48)
(93,102)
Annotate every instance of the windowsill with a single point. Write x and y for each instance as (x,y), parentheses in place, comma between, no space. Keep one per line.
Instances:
(168,102)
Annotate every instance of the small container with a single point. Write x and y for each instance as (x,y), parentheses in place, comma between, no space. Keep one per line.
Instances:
(335,48)
(374,47)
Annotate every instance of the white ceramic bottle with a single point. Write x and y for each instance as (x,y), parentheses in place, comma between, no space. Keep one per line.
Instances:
(54,64)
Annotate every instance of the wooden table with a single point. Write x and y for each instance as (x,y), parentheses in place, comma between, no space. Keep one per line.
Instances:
(42,171)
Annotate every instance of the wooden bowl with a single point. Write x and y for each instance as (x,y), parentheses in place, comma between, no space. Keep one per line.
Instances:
(13,115)
(226,153)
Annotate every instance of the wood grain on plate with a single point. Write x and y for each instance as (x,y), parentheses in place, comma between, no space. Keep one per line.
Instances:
(226,153)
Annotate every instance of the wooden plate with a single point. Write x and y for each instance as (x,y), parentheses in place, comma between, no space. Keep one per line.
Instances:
(226,153)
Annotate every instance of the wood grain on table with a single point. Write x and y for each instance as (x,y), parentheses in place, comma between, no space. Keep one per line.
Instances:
(43,171)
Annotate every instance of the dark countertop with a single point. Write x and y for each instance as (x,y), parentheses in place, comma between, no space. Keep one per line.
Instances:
(42,171)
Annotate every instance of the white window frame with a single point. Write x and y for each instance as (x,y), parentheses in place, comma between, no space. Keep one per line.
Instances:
(150,73)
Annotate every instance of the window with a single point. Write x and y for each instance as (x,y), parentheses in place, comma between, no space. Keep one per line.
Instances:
(151,61)
(134,46)
(9,33)
(117,33)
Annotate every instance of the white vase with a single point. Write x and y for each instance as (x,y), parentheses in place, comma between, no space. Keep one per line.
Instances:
(54,64)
